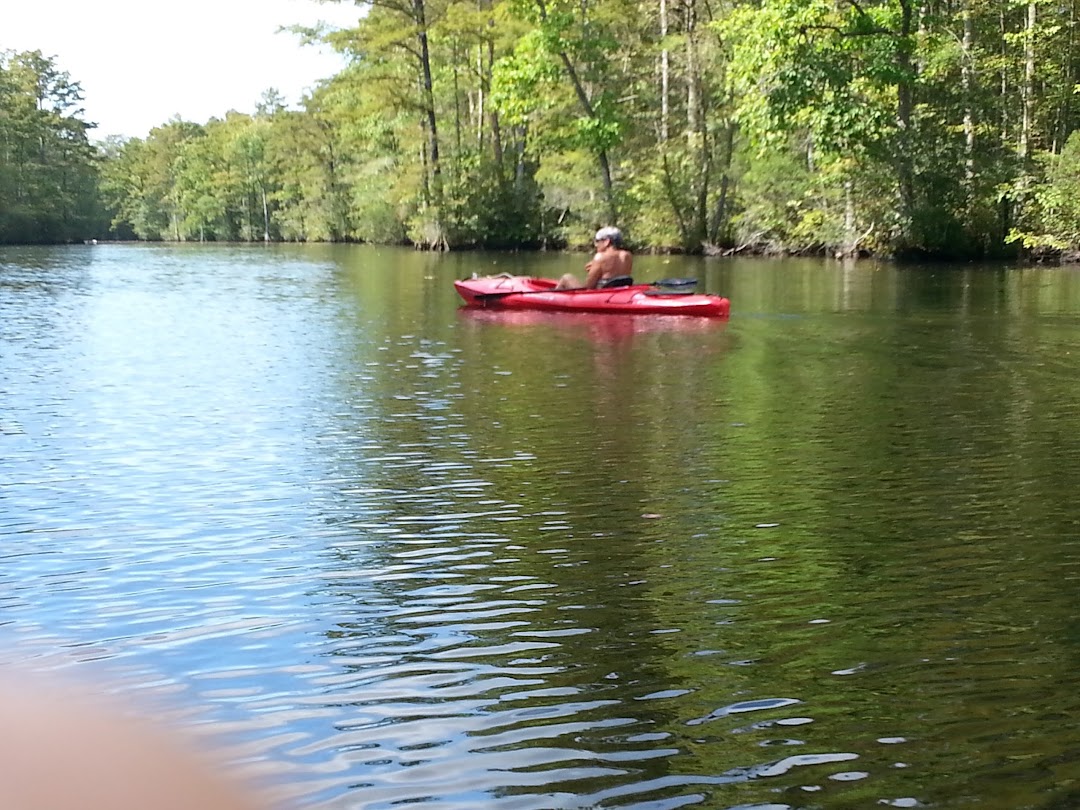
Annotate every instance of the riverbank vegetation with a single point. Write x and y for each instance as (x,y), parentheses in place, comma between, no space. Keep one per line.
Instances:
(895,128)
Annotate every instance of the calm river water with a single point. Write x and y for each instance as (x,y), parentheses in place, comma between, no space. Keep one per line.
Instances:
(824,555)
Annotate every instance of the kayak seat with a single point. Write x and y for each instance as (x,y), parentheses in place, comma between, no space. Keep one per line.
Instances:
(615,281)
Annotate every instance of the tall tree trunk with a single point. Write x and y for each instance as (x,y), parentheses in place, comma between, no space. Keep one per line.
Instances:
(674,200)
(337,215)
(481,99)
(485,68)
(905,102)
(720,215)
(266,214)
(420,16)
(701,209)
(609,188)
(496,131)
(967,70)
(664,72)
(703,145)
(691,71)
(425,169)
(850,240)
(1027,92)
(601,154)
(457,104)
(1027,116)
(587,106)
(1003,76)
(1070,68)
(1005,217)
(519,168)
(1063,112)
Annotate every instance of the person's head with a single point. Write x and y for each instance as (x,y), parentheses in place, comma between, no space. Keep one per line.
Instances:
(610,234)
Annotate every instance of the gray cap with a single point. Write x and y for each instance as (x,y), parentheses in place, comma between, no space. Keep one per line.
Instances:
(610,232)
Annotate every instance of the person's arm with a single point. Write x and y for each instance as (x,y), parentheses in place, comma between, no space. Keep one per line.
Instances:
(594,271)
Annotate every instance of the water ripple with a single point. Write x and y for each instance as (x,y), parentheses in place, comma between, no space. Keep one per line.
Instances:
(401,556)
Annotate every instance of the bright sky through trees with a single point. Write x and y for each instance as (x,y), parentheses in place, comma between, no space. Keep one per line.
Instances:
(141,63)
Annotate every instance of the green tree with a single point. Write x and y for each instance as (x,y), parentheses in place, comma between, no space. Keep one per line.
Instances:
(143,184)
(574,42)
(48,169)
(1055,204)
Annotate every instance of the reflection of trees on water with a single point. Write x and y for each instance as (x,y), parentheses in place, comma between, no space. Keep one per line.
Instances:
(839,506)
(496,486)
(919,476)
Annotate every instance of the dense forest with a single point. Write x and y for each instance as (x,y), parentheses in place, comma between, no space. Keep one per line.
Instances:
(892,127)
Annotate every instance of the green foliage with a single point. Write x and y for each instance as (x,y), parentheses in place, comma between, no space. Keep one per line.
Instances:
(569,182)
(487,210)
(795,125)
(48,170)
(654,203)
(522,82)
(785,208)
(1055,216)
(147,181)
(817,67)
(529,90)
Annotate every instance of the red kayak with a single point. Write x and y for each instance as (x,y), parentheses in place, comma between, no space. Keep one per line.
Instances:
(527,292)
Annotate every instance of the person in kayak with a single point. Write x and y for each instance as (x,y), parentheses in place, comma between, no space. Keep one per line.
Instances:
(610,267)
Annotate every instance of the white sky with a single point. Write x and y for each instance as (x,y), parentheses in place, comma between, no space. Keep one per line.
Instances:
(140,62)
